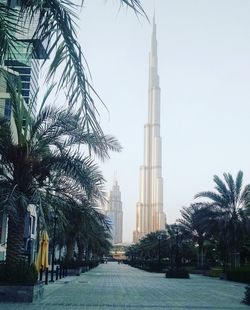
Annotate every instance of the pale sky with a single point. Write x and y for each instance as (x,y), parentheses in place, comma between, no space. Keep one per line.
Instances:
(204,68)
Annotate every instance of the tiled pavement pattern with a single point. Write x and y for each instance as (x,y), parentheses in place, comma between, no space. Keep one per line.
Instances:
(115,286)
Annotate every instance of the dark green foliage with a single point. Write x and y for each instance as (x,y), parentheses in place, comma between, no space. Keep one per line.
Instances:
(153,266)
(93,263)
(228,223)
(214,272)
(246,299)
(70,264)
(21,273)
(241,274)
(179,273)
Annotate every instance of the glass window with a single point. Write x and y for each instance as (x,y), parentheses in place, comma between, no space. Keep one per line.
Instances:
(7,109)
(25,85)
(33,225)
(25,93)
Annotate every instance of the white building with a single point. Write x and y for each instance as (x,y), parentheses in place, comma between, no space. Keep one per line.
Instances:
(149,210)
(114,212)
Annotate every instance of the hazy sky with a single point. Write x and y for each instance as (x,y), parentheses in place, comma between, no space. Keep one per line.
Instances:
(204,68)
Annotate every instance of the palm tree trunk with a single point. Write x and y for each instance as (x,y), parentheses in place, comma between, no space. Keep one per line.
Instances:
(201,256)
(70,250)
(80,247)
(15,241)
(234,254)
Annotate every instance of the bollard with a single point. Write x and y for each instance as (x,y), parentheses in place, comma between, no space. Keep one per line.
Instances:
(46,275)
(57,269)
(63,273)
(60,272)
(41,274)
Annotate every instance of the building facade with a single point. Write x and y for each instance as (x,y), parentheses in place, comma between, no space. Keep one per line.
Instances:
(114,212)
(149,210)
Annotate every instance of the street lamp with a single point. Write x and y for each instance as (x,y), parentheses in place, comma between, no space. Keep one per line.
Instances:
(55,217)
(159,237)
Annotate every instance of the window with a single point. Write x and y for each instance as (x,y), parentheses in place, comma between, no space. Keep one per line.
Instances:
(33,224)
(7,109)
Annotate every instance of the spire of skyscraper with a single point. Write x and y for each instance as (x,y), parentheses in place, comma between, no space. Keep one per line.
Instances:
(149,211)
(114,212)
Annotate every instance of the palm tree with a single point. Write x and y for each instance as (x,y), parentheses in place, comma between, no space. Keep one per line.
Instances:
(56,25)
(35,152)
(228,202)
(193,221)
(79,224)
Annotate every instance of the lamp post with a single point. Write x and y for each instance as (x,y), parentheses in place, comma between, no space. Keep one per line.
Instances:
(159,237)
(54,216)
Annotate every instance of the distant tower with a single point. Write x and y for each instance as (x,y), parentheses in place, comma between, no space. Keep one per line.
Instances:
(149,210)
(114,212)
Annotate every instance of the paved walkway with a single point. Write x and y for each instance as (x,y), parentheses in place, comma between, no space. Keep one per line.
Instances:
(117,287)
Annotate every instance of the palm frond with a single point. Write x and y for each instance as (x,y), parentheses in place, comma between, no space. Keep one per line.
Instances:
(135,5)
(238,184)
(216,198)
(8,31)
(221,187)
(57,26)
(231,186)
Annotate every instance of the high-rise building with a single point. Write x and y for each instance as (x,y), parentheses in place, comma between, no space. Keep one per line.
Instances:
(149,210)
(24,63)
(114,212)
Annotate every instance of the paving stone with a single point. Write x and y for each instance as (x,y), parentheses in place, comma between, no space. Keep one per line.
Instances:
(115,286)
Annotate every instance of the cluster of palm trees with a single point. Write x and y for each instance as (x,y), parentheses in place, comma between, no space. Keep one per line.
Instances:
(213,231)
(47,160)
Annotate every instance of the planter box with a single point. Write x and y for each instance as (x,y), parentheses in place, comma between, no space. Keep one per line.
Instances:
(21,293)
(85,268)
(74,271)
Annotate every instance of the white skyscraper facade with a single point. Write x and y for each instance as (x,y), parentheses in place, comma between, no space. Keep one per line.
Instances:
(149,210)
(114,212)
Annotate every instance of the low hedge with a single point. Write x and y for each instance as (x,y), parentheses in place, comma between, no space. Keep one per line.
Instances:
(241,274)
(150,265)
(70,264)
(93,263)
(21,273)
(214,272)
(246,299)
(180,273)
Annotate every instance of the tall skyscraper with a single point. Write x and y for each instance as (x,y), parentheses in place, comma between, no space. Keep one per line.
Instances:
(114,212)
(149,210)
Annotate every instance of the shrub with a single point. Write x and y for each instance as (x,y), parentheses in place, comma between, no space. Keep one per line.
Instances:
(152,266)
(93,263)
(70,264)
(246,299)
(241,274)
(21,273)
(181,273)
(215,272)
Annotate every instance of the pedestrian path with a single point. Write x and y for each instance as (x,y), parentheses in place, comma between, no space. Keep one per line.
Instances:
(115,286)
